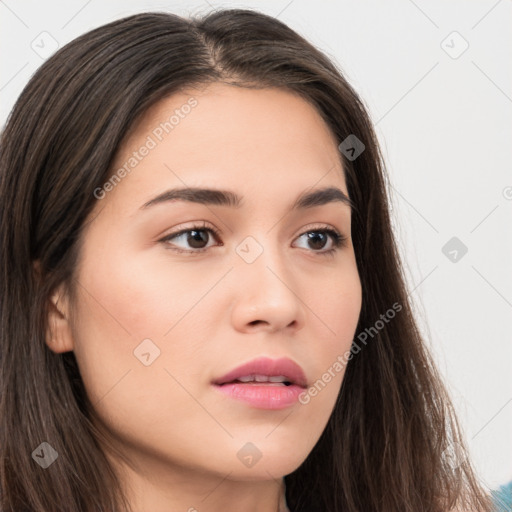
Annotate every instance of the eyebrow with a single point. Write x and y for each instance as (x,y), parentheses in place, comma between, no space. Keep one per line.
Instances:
(218,197)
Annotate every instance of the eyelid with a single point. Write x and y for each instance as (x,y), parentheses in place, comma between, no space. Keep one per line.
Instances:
(319,227)
(184,228)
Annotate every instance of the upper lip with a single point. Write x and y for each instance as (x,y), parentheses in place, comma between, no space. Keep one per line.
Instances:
(269,367)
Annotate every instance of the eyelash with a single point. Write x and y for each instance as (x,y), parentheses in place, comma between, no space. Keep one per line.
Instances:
(338,239)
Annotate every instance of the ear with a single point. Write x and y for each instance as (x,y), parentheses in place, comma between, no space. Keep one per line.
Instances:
(59,335)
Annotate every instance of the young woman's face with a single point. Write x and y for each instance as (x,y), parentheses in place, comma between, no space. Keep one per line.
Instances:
(160,318)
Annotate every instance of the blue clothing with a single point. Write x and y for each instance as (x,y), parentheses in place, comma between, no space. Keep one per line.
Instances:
(502,498)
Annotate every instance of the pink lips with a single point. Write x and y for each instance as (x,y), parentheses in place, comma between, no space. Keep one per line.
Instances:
(276,394)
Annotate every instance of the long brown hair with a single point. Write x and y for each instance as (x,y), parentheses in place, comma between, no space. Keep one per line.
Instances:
(385,445)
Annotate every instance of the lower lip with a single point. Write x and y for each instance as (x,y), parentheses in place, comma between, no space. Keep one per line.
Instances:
(264,396)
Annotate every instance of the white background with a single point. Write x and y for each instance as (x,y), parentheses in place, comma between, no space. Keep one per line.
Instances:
(445,125)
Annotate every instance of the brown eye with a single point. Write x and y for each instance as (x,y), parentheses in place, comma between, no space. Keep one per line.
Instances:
(194,239)
(317,239)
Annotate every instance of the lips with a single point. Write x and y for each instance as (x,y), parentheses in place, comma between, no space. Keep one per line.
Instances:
(266,371)
(264,383)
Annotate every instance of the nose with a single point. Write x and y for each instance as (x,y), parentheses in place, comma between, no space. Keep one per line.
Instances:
(267,297)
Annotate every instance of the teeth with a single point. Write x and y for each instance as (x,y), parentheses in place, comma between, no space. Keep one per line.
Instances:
(277,378)
(262,378)
(248,378)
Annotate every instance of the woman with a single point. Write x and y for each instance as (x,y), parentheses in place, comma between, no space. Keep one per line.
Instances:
(202,302)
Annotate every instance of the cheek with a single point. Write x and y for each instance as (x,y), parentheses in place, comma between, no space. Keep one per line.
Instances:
(335,305)
(131,307)
(119,305)
(139,298)
(337,308)
(125,307)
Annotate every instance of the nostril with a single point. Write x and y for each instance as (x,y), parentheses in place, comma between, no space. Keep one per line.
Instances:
(256,322)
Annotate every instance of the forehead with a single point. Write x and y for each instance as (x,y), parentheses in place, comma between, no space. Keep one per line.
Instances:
(254,140)
(226,110)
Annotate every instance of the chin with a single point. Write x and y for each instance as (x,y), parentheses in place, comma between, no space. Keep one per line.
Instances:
(250,464)
(262,471)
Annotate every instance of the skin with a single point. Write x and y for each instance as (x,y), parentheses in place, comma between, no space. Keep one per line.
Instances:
(212,311)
